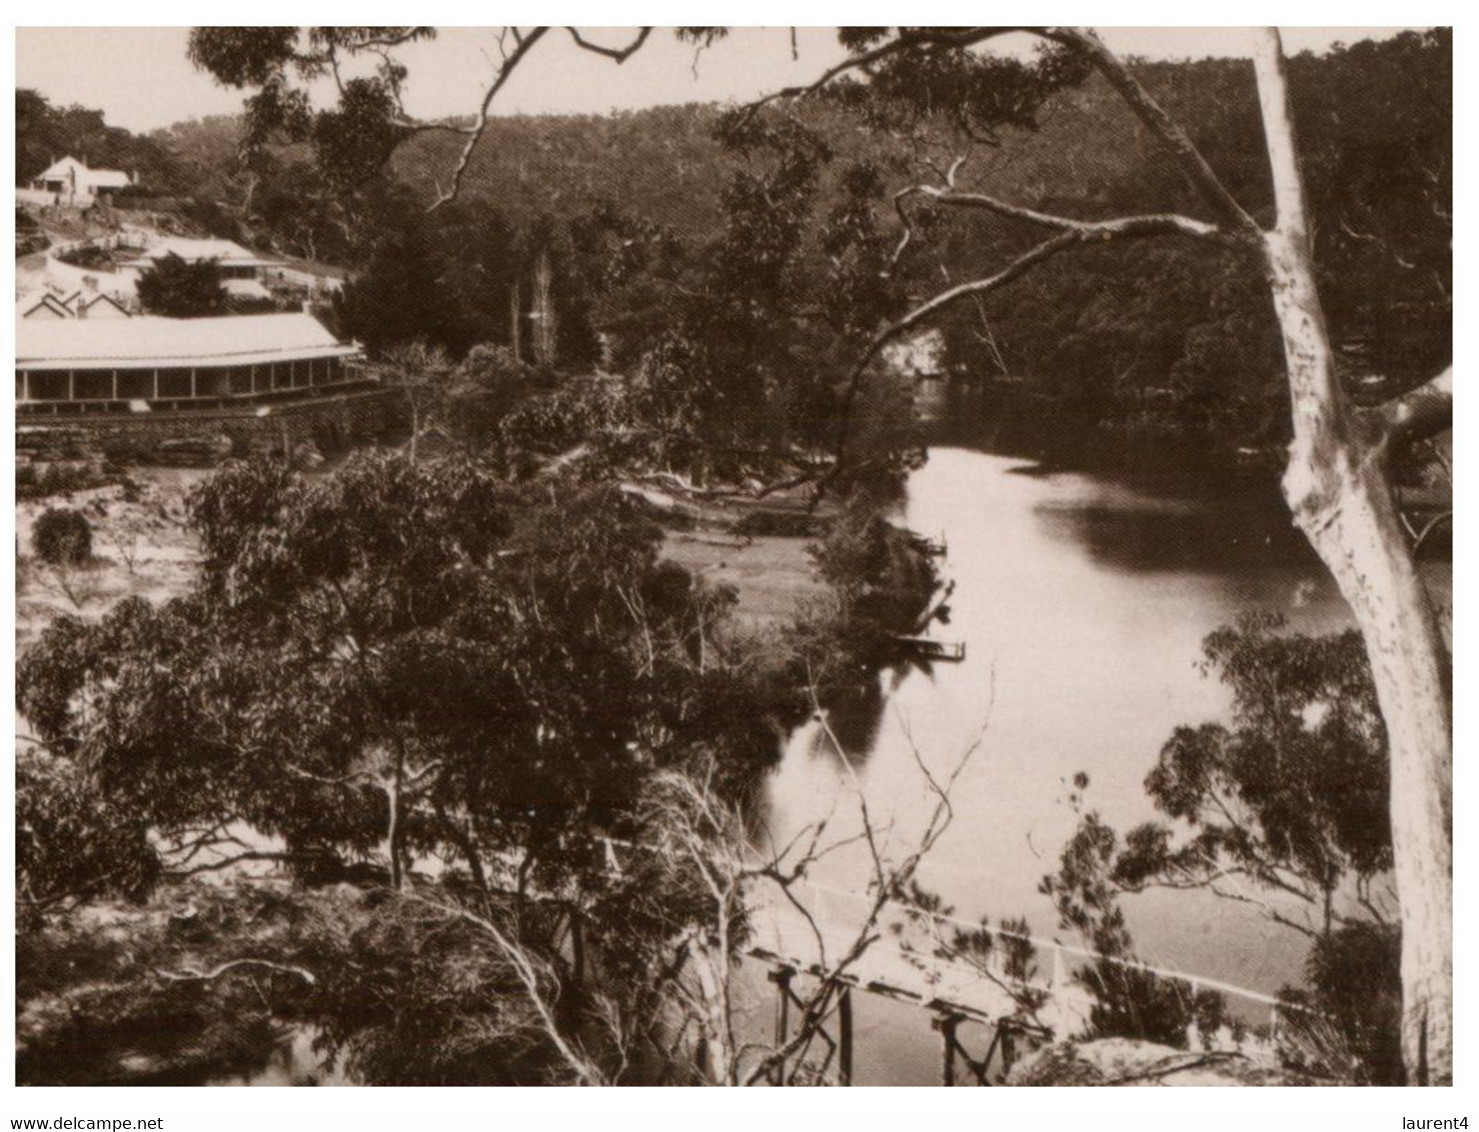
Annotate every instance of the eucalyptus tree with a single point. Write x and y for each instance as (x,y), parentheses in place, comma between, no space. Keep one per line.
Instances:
(1338,480)
(1285,811)
(396,661)
(423,374)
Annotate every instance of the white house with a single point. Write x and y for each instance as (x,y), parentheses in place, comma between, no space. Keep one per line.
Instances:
(236,262)
(71,182)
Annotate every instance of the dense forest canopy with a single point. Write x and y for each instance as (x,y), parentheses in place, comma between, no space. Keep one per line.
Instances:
(1148,343)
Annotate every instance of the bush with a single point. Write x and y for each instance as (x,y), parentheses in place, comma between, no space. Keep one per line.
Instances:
(62,537)
(89,256)
(177,288)
(877,571)
(40,482)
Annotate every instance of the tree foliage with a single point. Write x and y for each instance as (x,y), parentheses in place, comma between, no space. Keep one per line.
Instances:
(45,133)
(1285,808)
(1146,346)
(178,288)
(62,536)
(1293,796)
(395,652)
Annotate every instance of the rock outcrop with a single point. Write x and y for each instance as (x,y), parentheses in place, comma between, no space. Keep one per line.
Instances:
(1122,1061)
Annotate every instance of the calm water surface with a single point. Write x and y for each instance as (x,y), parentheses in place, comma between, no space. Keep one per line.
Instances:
(1083,602)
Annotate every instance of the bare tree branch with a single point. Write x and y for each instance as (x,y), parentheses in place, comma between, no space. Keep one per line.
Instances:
(521,49)
(235,965)
(1167,221)
(619,54)
(1072,233)
(1160,124)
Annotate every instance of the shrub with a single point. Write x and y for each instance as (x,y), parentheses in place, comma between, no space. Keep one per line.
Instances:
(33,482)
(884,583)
(177,288)
(89,256)
(62,537)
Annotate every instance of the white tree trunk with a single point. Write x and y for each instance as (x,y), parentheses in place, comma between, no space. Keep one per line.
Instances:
(544,310)
(1338,489)
(711,968)
(515,321)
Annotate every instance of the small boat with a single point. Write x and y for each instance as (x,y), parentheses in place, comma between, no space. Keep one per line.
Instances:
(933,649)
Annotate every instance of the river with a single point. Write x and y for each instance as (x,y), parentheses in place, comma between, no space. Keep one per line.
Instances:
(1082,600)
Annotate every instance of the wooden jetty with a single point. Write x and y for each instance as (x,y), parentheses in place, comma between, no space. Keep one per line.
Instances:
(934,547)
(932,649)
(924,544)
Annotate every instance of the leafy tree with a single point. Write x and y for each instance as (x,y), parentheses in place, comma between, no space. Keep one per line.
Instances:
(485,397)
(1129,1000)
(881,581)
(404,292)
(1293,797)
(1285,809)
(387,665)
(61,536)
(177,288)
(71,844)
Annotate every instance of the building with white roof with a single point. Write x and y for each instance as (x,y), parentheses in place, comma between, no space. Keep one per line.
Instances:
(45,306)
(88,302)
(71,182)
(235,261)
(71,365)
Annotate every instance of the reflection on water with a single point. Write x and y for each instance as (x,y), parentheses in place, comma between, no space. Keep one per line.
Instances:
(294,1061)
(1126,531)
(1083,602)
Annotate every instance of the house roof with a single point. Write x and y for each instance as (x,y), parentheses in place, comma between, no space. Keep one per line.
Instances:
(245,289)
(87,302)
(228,252)
(148,342)
(108,179)
(31,306)
(98,178)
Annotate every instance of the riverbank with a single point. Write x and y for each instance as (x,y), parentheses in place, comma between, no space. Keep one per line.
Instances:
(1007,417)
(758,548)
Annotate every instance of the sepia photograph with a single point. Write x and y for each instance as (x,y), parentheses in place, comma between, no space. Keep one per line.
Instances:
(733,556)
